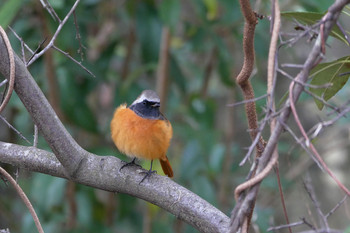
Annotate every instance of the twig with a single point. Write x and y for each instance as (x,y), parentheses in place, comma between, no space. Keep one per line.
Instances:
(78,37)
(58,30)
(12,69)
(326,85)
(309,143)
(285,226)
(271,84)
(311,192)
(298,66)
(300,142)
(77,62)
(3,82)
(308,29)
(14,129)
(283,202)
(247,101)
(49,9)
(346,36)
(21,40)
(258,136)
(336,206)
(36,51)
(324,102)
(24,198)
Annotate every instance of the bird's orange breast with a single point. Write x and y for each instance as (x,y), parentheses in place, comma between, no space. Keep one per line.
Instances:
(140,137)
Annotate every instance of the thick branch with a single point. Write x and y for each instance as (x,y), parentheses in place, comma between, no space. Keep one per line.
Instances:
(96,171)
(102,172)
(68,152)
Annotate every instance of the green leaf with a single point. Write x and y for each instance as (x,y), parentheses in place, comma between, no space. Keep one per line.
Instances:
(310,18)
(8,11)
(335,73)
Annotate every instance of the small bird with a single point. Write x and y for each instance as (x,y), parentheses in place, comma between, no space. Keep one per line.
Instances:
(142,131)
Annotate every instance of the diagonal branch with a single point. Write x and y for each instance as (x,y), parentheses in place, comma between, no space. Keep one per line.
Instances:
(72,162)
(68,152)
(102,172)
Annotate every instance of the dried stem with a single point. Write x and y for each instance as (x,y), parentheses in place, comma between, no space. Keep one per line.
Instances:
(24,199)
(12,69)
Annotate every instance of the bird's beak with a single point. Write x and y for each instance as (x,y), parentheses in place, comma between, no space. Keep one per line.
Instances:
(155,105)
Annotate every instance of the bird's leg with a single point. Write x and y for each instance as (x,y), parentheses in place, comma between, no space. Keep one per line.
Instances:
(148,173)
(129,164)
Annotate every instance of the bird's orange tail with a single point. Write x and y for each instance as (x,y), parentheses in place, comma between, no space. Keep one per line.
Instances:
(164,162)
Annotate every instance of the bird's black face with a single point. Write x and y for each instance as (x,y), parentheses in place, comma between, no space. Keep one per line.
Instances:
(147,109)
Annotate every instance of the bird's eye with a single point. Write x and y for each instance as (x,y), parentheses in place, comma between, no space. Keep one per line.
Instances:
(144,102)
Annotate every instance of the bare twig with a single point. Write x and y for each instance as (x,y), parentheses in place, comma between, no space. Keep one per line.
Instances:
(24,198)
(78,37)
(309,143)
(247,101)
(3,82)
(326,85)
(21,40)
(54,37)
(336,206)
(12,69)
(75,61)
(311,192)
(36,51)
(285,226)
(14,129)
(46,4)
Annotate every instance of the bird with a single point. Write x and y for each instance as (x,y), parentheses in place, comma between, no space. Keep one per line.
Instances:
(142,131)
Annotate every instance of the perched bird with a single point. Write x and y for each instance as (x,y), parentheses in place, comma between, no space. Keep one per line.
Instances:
(142,131)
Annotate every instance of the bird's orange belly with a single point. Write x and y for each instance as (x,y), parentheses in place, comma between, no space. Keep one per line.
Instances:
(139,137)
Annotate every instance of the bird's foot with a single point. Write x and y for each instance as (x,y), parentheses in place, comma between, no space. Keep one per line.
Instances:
(132,163)
(148,174)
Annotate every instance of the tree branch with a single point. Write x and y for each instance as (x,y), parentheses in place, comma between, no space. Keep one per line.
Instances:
(60,141)
(78,165)
(102,172)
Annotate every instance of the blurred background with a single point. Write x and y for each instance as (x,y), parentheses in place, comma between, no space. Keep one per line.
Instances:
(119,42)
